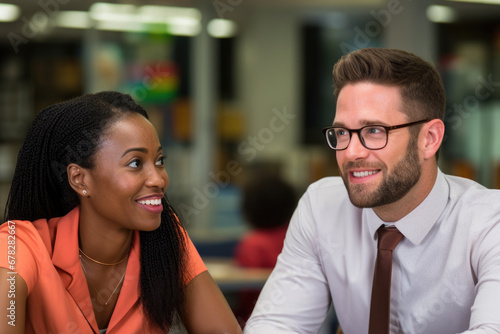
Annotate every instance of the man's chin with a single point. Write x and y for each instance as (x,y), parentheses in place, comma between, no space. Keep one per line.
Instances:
(362,202)
(359,195)
(360,198)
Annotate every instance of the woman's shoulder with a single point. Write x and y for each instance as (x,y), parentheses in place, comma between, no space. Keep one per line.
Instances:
(35,233)
(30,234)
(24,250)
(30,246)
(19,228)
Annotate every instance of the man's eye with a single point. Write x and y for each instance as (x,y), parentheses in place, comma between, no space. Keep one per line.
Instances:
(374,130)
(341,132)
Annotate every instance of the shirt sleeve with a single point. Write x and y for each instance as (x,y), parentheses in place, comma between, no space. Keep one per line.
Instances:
(18,243)
(295,298)
(485,262)
(195,264)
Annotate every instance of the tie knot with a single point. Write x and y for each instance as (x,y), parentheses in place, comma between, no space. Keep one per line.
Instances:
(388,238)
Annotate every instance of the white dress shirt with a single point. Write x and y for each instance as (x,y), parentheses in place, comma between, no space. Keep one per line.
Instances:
(446,271)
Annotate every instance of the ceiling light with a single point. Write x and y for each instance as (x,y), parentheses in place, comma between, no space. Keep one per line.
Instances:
(441,14)
(162,13)
(101,11)
(221,28)
(184,30)
(120,26)
(8,12)
(175,20)
(73,19)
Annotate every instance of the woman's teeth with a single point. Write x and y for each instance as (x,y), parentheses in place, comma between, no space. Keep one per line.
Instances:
(150,202)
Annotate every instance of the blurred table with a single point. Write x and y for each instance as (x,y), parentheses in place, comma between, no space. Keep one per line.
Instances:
(230,277)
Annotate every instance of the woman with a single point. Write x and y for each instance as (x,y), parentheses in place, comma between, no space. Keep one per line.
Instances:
(91,243)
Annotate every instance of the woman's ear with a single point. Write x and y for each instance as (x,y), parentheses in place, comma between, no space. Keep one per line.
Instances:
(433,137)
(76,178)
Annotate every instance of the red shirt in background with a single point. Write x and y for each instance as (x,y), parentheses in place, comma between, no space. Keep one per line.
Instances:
(260,248)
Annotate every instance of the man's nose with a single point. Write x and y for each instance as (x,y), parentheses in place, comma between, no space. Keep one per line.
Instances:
(356,149)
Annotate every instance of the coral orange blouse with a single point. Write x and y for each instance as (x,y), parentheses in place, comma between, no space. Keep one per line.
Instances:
(47,258)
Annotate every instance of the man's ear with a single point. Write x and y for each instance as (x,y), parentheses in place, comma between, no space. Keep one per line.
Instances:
(433,137)
(76,178)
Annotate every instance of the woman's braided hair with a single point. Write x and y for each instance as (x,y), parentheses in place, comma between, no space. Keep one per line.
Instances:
(71,132)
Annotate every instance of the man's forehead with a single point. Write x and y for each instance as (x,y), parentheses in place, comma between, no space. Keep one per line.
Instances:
(368,117)
(360,122)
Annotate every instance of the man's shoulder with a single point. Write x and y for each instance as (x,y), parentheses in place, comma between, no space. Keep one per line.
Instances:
(472,193)
(460,186)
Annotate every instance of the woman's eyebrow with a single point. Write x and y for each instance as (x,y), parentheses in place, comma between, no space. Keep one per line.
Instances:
(139,149)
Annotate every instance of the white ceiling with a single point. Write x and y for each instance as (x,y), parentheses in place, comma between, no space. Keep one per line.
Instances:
(465,9)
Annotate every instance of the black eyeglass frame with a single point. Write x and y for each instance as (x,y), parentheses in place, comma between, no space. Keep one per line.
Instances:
(361,139)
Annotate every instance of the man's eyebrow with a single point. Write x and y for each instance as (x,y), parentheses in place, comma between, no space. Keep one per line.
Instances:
(363,123)
(373,122)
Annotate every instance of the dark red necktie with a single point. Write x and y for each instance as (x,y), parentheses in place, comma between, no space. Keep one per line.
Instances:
(388,239)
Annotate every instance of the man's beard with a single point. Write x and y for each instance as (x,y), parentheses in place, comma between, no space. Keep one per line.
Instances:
(394,186)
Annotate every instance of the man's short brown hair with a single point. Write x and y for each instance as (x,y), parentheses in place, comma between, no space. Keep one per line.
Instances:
(421,88)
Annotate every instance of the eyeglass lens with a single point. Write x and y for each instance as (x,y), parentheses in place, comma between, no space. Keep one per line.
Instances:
(372,137)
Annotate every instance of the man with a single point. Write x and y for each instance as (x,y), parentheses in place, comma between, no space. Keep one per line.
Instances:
(387,130)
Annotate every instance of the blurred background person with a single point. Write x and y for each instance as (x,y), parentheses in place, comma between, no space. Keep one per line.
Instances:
(268,202)
(267,205)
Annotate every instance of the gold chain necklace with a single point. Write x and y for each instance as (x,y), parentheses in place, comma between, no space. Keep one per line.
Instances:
(97,292)
(102,263)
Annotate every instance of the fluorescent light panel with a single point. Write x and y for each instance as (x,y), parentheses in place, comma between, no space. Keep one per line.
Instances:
(101,11)
(166,12)
(73,19)
(441,14)
(221,28)
(8,12)
(119,26)
(177,20)
(179,30)
(111,17)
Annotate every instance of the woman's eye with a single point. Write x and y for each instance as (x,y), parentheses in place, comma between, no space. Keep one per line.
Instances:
(160,161)
(135,164)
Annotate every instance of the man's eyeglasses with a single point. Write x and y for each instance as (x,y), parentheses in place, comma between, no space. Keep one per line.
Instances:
(373,137)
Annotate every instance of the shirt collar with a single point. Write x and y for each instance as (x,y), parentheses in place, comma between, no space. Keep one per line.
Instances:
(417,224)
(65,256)
(65,251)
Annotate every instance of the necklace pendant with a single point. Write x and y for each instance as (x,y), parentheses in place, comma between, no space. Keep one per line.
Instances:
(95,289)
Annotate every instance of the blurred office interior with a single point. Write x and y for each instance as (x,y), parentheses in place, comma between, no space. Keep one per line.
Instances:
(235,87)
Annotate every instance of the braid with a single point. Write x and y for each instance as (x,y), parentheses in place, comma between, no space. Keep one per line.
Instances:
(70,132)
(39,188)
(162,301)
